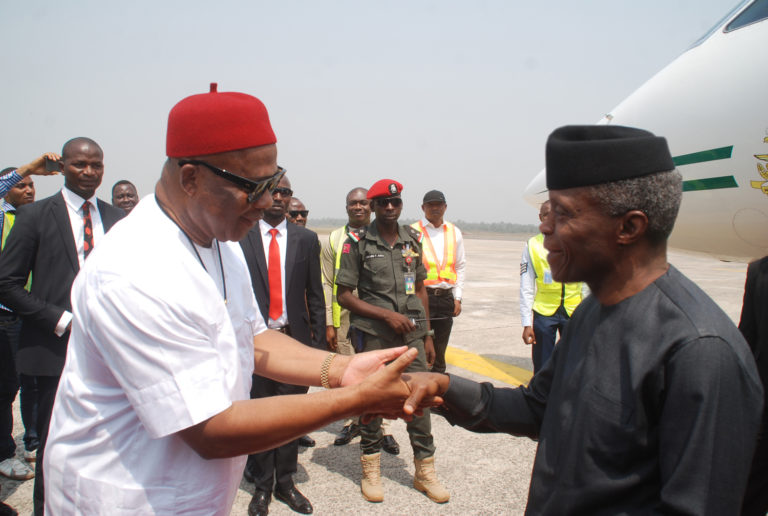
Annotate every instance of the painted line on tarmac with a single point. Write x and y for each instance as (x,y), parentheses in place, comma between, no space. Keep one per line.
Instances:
(489,367)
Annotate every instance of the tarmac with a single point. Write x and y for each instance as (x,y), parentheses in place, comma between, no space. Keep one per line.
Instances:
(487,474)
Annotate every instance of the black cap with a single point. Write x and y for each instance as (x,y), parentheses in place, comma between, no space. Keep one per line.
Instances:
(585,155)
(433,196)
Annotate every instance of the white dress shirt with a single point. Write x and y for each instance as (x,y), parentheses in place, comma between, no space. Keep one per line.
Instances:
(75,211)
(154,350)
(437,236)
(527,288)
(282,241)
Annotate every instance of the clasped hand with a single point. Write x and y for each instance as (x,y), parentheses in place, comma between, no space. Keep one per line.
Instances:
(388,391)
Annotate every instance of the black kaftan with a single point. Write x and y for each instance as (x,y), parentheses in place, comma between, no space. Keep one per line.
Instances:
(649,405)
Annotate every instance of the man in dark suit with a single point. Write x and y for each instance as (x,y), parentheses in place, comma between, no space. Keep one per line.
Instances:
(754,327)
(51,239)
(291,300)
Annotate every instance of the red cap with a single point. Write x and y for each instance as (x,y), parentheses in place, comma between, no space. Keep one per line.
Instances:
(210,123)
(384,188)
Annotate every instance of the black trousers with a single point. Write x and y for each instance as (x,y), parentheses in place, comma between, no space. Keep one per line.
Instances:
(46,387)
(441,312)
(9,384)
(276,466)
(756,495)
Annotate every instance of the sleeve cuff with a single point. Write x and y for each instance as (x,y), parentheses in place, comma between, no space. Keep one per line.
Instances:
(463,395)
(61,326)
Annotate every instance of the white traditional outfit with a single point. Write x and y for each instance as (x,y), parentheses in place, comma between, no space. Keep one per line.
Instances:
(155,349)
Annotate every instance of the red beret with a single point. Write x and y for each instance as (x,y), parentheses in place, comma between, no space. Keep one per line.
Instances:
(210,123)
(384,188)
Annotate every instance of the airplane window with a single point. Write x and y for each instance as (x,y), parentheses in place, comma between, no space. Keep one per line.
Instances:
(754,13)
(719,24)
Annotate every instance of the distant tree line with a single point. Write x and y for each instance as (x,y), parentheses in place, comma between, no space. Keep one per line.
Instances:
(473,227)
(497,227)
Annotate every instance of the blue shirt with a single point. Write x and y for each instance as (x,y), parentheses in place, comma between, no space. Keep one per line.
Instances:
(7,181)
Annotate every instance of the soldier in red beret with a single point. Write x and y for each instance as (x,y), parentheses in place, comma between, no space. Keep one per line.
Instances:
(153,414)
(384,263)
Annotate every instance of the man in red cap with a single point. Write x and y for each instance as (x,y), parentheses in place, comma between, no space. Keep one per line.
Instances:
(152,414)
(384,263)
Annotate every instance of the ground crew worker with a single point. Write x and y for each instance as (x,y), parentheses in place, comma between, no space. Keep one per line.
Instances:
(337,318)
(444,259)
(384,264)
(551,308)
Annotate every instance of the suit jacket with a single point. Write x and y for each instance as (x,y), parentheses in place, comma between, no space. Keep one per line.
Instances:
(41,242)
(303,283)
(754,315)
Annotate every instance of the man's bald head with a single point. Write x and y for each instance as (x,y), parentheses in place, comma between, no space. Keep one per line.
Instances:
(358,207)
(357,192)
(281,198)
(82,164)
(75,144)
(297,212)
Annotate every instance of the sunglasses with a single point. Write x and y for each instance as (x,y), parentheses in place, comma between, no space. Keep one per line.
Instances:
(396,202)
(254,189)
(285,192)
(296,213)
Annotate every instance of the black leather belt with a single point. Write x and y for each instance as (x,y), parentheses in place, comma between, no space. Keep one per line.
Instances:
(284,329)
(437,292)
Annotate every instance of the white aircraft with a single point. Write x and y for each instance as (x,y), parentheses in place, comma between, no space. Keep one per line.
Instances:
(711,104)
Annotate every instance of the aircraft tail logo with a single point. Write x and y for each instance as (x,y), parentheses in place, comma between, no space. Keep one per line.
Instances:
(762,169)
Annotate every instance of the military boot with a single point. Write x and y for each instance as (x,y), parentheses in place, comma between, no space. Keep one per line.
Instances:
(371,483)
(425,480)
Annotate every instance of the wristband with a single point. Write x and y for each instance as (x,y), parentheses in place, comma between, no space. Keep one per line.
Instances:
(324,370)
(430,333)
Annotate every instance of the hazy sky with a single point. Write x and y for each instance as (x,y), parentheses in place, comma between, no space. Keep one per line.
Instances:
(458,96)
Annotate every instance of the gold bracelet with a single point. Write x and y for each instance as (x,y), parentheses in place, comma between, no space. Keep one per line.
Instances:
(324,370)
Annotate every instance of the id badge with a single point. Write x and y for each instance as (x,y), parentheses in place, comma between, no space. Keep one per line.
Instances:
(547,277)
(410,282)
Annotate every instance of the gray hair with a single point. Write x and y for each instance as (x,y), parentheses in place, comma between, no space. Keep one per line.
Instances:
(656,195)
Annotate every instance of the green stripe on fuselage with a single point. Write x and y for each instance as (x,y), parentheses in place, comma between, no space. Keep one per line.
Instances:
(710,183)
(702,156)
(707,183)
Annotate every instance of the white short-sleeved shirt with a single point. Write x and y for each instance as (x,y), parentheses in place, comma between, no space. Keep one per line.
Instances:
(154,350)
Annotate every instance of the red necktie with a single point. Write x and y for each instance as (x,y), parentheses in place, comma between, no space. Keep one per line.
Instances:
(87,230)
(275,279)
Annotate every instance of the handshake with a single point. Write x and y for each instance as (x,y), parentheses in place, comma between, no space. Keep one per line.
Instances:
(385,389)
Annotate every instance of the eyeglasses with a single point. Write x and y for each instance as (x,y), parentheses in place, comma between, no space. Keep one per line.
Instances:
(396,202)
(285,192)
(254,189)
(296,213)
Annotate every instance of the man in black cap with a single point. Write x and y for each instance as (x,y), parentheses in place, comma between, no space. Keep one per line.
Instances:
(443,247)
(651,401)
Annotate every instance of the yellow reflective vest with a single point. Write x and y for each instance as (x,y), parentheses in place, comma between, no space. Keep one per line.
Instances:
(550,294)
(445,270)
(337,239)
(9,218)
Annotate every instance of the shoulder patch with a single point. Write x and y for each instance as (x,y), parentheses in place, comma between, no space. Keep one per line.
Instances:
(357,234)
(415,233)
